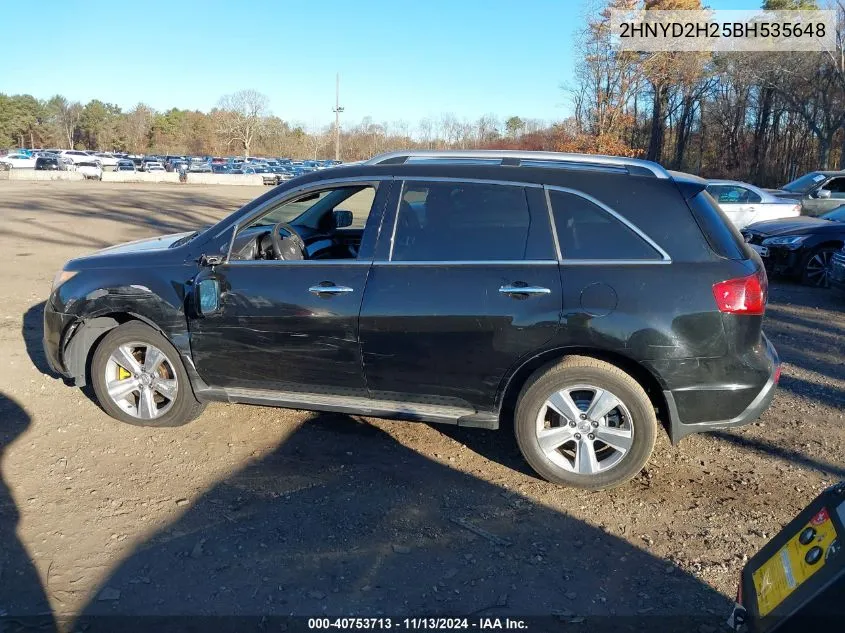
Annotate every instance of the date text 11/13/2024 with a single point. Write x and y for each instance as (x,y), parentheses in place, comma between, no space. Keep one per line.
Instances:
(417,624)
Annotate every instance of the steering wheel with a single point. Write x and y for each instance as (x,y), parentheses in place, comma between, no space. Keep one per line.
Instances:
(291,248)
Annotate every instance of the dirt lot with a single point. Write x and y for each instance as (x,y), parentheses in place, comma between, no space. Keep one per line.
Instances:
(254,510)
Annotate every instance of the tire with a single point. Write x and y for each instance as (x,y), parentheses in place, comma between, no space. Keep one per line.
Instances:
(150,384)
(631,425)
(816,268)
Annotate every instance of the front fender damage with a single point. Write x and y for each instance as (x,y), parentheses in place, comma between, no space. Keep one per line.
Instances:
(79,341)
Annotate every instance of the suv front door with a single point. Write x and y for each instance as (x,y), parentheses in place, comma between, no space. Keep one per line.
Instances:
(292,326)
(467,287)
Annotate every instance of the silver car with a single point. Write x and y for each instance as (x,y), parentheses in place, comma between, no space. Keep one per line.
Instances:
(745,204)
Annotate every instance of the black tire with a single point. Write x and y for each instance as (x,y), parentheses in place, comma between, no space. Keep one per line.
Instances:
(185,407)
(812,277)
(580,370)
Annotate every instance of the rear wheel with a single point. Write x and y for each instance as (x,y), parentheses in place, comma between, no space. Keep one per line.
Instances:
(139,379)
(818,267)
(585,423)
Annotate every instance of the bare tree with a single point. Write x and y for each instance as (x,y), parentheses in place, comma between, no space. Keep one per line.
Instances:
(240,117)
(67,115)
(315,140)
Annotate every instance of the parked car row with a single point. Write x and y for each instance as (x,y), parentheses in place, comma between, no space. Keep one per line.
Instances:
(274,170)
(798,230)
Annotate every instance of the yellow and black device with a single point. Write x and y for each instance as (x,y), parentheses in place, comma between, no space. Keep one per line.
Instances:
(797,581)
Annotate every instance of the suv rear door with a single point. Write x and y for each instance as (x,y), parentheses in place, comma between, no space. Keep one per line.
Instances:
(465,283)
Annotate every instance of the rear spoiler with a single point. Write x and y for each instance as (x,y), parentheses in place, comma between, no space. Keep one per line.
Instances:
(689,185)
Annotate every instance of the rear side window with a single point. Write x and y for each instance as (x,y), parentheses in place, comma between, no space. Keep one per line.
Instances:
(718,230)
(456,221)
(585,231)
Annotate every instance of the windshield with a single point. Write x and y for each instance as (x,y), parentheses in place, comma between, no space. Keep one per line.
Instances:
(837,215)
(804,183)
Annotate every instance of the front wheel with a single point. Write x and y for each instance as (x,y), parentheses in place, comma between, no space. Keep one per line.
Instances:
(139,379)
(585,423)
(818,267)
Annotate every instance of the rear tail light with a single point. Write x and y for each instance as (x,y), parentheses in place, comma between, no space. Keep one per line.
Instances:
(777,374)
(743,295)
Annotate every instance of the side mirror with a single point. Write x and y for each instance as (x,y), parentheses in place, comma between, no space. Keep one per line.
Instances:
(207,295)
(342,218)
(823,194)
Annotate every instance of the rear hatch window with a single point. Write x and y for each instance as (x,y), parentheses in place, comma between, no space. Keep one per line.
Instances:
(721,234)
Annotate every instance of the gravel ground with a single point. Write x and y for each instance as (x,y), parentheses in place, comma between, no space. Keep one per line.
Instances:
(253,510)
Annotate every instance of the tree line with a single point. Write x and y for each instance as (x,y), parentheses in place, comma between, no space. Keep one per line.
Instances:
(760,117)
(240,124)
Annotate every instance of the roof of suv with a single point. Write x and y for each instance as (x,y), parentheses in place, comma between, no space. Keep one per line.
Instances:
(538,168)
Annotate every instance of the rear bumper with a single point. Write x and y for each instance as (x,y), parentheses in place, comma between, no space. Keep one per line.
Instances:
(762,398)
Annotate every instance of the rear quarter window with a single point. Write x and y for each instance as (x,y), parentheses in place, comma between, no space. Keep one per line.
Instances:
(722,236)
(585,231)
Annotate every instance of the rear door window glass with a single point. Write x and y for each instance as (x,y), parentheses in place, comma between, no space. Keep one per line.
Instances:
(459,221)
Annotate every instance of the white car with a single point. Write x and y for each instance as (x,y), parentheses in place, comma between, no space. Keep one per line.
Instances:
(154,166)
(745,204)
(90,169)
(106,159)
(78,156)
(19,161)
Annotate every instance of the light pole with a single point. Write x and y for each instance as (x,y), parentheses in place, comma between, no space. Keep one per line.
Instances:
(337,110)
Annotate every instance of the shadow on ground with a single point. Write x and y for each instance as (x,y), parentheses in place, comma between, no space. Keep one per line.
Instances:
(342,520)
(806,327)
(23,603)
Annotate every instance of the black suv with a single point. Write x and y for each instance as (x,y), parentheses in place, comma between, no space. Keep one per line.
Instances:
(585,298)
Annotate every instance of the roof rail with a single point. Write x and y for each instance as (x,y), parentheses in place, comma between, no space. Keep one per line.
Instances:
(587,160)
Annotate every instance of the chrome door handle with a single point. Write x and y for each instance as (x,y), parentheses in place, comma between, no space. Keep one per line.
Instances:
(330,290)
(524,290)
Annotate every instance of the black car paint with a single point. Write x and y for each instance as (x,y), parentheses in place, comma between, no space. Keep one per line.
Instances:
(787,261)
(413,332)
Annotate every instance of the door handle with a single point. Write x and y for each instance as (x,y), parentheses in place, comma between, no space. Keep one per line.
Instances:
(524,290)
(330,290)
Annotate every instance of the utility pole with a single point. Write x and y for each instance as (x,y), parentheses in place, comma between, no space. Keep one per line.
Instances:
(337,111)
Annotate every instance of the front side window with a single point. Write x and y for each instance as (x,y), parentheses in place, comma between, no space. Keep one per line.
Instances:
(585,231)
(456,221)
(314,209)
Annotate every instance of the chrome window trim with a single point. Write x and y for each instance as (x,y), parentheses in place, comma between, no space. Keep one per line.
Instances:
(396,220)
(664,256)
(552,224)
(615,262)
(470,262)
(301,262)
(287,196)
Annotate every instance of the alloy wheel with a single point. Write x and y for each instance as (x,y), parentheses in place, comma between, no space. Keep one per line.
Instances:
(818,268)
(141,380)
(584,429)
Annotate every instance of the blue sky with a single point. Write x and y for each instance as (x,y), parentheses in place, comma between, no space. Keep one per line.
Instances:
(398,59)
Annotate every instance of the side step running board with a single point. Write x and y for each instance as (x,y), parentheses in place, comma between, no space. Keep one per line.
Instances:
(356,405)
